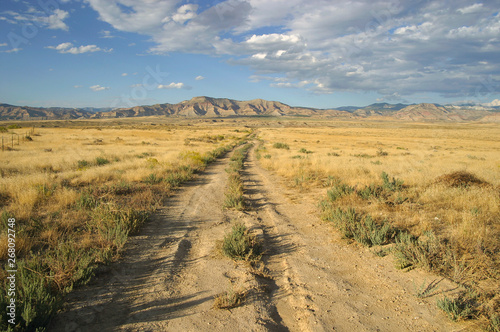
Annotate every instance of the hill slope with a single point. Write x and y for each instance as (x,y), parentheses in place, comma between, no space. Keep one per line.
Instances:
(223,107)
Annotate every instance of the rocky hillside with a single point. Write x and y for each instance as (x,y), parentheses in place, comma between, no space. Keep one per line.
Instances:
(222,107)
(10,112)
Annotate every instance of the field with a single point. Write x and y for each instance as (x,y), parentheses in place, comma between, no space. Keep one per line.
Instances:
(77,192)
(427,196)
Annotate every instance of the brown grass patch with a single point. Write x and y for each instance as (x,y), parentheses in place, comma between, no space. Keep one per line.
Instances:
(460,179)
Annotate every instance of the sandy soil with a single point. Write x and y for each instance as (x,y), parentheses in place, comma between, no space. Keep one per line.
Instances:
(170,273)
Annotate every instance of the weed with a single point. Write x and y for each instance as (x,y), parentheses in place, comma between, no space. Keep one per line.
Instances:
(338,190)
(303,150)
(152,179)
(425,251)
(424,291)
(81,164)
(370,191)
(297,157)
(494,323)
(382,153)
(457,309)
(363,229)
(391,185)
(239,244)
(279,145)
(267,156)
(229,299)
(100,161)
(333,154)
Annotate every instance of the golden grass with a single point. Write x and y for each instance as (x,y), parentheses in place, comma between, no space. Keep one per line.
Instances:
(78,193)
(429,158)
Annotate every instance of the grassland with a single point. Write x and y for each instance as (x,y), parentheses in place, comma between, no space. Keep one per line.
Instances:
(429,192)
(77,193)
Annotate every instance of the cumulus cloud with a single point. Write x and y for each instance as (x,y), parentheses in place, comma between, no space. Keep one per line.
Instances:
(69,48)
(99,88)
(392,47)
(173,86)
(199,78)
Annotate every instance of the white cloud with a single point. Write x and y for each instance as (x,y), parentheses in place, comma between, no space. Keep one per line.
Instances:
(54,20)
(98,88)
(173,86)
(199,78)
(184,13)
(3,44)
(106,34)
(124,74)
(69,48)
(471,9)
(392,47)
(78,86)
(14,50)
(495,102)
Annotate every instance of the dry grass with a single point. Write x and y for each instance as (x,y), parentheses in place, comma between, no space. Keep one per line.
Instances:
(451,185)
(77,193)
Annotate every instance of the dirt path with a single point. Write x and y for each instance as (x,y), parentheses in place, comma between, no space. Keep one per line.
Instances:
(170,273)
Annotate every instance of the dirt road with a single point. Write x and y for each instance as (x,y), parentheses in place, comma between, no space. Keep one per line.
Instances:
(169,274)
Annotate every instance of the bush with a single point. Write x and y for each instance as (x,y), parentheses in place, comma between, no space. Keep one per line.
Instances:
(281,146)
(240,245)
(338,190)
(425,252)
(392,185)
(100,161)
(228,300)
(457,309)
(361,228)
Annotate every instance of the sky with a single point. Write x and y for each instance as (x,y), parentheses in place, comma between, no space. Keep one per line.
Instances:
(316,53)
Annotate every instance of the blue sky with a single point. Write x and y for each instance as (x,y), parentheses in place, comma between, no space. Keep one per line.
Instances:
(318,53)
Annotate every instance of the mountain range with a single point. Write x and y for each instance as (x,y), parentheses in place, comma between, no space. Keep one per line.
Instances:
(223,107)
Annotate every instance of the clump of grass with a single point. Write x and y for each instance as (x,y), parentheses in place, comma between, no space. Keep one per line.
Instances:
(339,190)
(426,251)
(81,164)
(494,325)
(303,150)
(279,145)
(425,290)
(233,197)
(361,228)
(460,308)
(100,161)
(239,244)
(229,299)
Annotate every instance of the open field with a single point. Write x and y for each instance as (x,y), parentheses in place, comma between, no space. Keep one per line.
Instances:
(77,192)
(80,189)
(442,187)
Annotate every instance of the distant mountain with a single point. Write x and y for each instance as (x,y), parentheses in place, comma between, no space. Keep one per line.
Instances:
(435,112)
(223,107)
(10,112)
(219,107)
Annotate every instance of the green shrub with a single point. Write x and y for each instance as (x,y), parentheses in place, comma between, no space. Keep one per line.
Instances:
(338,190)
(279,145)
(240,245)
(370,191)
(426,251)
(457,309)
(363,229)
(391,185)
(303,150)
(100,161)
(81,164)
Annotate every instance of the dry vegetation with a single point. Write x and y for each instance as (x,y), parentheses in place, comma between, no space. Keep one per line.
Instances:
(429,192)
(77,193)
